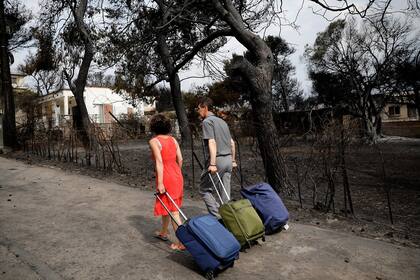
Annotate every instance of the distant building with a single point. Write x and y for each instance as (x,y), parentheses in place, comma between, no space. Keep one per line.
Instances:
(398,112)
(401,118)
(101,103)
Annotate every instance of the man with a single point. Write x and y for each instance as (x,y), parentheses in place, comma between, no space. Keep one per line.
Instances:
(219,152)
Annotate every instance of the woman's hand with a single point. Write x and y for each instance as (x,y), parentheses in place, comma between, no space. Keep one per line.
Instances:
(161,188)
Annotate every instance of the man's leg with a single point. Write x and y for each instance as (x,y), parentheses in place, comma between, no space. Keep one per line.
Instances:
(226,182)
(206,192)
(224,165)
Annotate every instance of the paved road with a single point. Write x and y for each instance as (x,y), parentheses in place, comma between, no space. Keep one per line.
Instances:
(58,225)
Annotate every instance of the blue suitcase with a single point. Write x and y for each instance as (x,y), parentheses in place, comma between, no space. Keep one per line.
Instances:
(212,246)
(268,205)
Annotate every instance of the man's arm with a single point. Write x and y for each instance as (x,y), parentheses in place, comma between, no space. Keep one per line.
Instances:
(233,149)
(212,154)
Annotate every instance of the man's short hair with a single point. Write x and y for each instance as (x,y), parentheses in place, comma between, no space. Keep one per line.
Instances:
(206,101)
(160,124)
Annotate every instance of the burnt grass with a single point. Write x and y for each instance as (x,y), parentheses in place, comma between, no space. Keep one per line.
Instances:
(393,165)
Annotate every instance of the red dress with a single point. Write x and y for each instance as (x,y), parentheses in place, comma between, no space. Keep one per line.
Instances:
(172,177)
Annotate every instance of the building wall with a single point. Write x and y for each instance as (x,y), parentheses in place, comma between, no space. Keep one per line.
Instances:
(387,115)
(96,99)
(406,124)
(402,128)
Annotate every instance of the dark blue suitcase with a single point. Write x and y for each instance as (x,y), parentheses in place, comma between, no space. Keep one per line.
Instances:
(215,237)
(212,246)
(268,205)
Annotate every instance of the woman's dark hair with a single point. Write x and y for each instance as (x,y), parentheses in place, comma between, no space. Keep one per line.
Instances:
(205,102)
(160,124)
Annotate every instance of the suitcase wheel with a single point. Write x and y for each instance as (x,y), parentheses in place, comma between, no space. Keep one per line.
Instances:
(263,238)
(210,275)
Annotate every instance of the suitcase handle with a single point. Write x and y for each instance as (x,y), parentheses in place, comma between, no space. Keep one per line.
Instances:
(215,187)
(166,208)
(211,178)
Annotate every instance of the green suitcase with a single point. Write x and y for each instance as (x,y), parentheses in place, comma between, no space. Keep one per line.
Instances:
(240,218)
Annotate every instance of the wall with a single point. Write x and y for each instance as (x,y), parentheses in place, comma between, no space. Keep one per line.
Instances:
(402,117)
(402,128)
(95,96)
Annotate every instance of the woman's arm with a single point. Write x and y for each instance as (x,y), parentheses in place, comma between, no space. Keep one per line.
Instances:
(179,159)
(154,146)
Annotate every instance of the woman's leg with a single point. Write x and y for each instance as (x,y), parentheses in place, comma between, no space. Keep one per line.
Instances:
(165,224)
(177,218)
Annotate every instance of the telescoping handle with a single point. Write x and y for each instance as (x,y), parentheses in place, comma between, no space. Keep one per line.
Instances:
(166,207)
(215,187)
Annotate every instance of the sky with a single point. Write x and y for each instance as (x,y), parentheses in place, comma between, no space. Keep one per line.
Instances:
(307,25)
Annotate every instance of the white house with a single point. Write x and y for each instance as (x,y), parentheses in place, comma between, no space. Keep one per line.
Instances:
(101,103)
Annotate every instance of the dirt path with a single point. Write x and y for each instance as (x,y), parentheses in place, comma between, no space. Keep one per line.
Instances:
(58,225)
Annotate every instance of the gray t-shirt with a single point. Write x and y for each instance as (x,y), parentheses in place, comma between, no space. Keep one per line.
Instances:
(217,129)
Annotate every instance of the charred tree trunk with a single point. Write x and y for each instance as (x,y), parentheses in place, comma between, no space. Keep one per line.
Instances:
(268,139)
(79,85)
(369,127)
(284,97)
(259,74)
(176,94)
(417,100)
(78,90)
(8,100)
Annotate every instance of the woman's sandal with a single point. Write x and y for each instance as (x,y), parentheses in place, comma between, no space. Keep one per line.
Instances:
(178,247)
(159,235)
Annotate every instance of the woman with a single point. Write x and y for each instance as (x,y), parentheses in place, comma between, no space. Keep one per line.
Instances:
(168,162)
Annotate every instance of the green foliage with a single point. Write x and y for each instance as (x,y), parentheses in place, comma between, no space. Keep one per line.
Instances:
(353,66)
(131,41)
(333,89)
(17,18)
(285,88)
(164,100)
(24,99)
(71,35)
(325,40)
(45,58)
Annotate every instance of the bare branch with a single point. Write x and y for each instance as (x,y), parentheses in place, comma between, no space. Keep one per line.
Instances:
(201,44)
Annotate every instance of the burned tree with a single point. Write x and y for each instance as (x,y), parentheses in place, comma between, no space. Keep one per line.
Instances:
(75,48)
(362,62)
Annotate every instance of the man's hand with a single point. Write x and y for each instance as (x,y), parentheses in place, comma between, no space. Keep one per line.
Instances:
(212,169)
(161,188)
(234,164)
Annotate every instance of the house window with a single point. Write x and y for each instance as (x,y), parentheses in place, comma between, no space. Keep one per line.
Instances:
(100,118)
(104,115)
(412,111)
(394,111)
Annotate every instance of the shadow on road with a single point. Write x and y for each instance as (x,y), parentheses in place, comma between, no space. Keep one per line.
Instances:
(147,226)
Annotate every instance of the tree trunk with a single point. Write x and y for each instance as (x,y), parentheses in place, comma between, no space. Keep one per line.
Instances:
(369,131)
(268,142)
(284,97)
(175,84)
(259,75)
(79,85)
(417,100)
(9,118)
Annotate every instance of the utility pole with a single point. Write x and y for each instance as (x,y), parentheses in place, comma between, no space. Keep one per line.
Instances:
(8,106)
